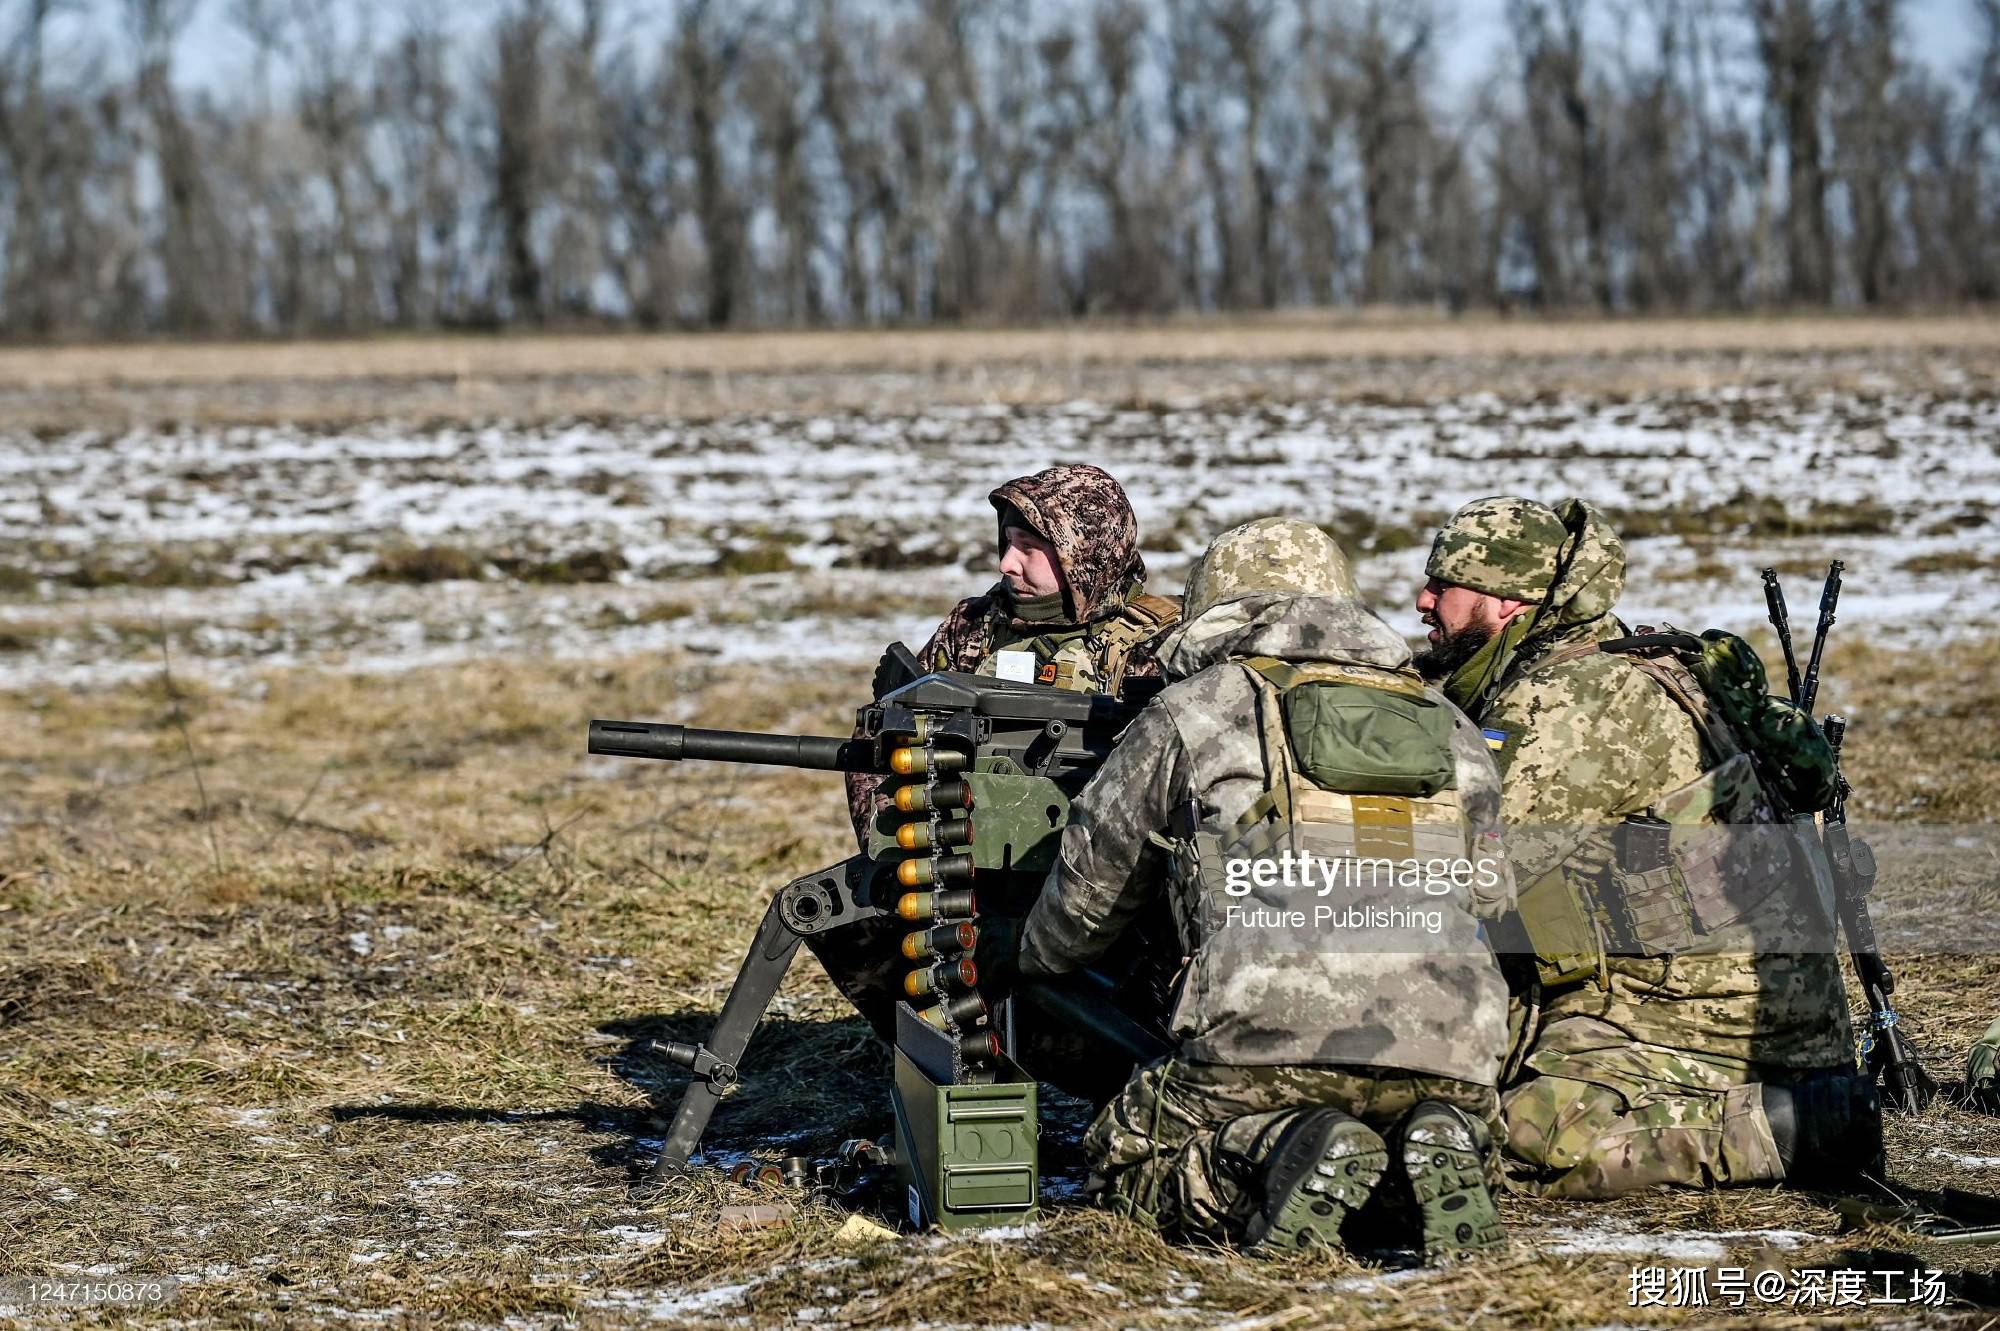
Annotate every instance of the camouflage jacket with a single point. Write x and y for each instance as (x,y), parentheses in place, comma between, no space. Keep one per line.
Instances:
(1585,739)
(1067,655)
(1287,1002)
(1110,631)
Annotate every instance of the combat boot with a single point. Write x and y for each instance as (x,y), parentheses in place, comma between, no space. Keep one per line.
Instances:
(1828,1129)
(1324,1166)
(1444,1156)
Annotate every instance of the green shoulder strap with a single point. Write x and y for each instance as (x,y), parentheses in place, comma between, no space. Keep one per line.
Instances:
(1287,675)
(1275,748)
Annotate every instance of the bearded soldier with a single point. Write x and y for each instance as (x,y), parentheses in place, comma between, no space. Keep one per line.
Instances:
(1639,1062)
(1070,609)
(1307,1065)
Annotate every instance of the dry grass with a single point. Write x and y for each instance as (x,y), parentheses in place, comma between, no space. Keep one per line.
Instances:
(1402,336)
(376,1062)
(547,376)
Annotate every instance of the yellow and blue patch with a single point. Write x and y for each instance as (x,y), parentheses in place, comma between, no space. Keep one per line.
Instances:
(1495,739)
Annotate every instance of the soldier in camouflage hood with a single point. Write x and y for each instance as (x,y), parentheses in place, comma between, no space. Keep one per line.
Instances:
(1297,1052)
(1070,608)
(1732,1063)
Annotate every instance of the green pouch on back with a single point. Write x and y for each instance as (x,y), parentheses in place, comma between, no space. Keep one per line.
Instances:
(1791,754)
(1363,740)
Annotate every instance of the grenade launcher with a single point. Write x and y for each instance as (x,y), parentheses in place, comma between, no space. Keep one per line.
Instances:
(979,777)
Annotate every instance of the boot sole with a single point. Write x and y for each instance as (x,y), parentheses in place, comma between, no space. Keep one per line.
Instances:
(1458,1211)
(1340,1182)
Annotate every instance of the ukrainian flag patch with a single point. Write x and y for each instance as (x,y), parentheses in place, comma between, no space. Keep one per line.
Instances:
(1495,739)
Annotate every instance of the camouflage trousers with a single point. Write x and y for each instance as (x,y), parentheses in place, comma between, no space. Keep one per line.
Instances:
(1982,1072)
(1599,1114)
(1180,1148)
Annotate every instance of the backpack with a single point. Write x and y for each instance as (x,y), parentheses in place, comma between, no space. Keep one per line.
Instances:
(1793,760)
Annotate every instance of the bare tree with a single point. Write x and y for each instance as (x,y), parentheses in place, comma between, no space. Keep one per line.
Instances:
(850,161)
(708,49)
(1795,43)
(194,254)
(856,155)
(780,93)
(1383,54)
(1243,45)
(24,137)
(1559,94)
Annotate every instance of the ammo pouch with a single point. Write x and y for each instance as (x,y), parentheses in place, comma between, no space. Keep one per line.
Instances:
(1726,855)
(1360,754)
(1561,926)
(1363,731)
(1648,895)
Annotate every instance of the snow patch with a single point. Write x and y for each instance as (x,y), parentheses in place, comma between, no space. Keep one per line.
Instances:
(1687,1245)
(287,524)
(669,1305)
(633,1236)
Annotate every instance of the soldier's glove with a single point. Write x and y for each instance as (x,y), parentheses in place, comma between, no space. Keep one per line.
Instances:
(997,955)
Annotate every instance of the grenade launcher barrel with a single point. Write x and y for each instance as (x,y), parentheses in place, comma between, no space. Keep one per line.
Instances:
(671,743)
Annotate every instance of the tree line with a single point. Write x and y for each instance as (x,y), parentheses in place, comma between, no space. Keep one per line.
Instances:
(723,164)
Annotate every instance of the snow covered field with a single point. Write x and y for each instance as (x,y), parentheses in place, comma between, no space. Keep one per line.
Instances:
(824,535)
(331,993)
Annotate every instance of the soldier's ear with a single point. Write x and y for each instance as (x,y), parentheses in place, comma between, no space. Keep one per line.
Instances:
(1505,608)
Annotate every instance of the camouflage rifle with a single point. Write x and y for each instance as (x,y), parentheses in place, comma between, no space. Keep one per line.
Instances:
(981,773)
(1889,1054)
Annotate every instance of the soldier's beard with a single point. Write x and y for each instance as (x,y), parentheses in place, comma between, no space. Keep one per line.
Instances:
(1441,659)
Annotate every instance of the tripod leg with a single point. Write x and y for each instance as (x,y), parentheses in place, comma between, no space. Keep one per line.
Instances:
(770,956)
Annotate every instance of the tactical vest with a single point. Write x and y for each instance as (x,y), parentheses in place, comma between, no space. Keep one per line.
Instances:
(1359,775)
(1694,871)
(1094,658)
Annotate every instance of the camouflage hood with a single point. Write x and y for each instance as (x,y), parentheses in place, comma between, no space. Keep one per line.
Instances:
(1084,514)
(1275,587)
(1590,571)
(1287,626)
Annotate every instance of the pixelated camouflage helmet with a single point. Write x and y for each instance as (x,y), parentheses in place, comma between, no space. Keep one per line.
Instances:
(1501,545)
(1281,555)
